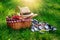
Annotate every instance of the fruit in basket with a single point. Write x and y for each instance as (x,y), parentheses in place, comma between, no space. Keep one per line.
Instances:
(8,18)
(17,17)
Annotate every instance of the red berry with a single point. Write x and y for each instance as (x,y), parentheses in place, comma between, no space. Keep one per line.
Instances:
(16,17)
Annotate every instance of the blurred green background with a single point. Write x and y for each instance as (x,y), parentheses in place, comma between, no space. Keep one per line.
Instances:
(47,10)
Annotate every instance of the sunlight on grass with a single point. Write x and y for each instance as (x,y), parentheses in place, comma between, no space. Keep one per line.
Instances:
(32,3)
(47,10)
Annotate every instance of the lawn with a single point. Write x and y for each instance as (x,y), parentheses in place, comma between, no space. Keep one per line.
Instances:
(47,10)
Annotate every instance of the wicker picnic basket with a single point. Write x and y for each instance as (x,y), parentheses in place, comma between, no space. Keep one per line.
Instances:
(21,23)
(18,24)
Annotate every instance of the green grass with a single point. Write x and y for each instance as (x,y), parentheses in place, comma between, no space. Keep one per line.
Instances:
(49,12)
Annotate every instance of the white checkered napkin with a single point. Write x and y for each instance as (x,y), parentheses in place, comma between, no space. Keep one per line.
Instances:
(24,10)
